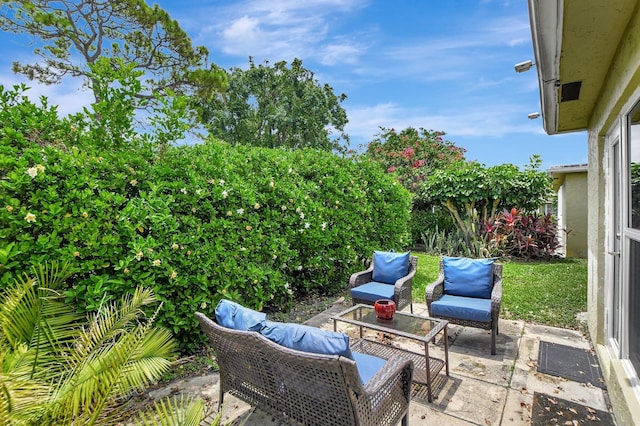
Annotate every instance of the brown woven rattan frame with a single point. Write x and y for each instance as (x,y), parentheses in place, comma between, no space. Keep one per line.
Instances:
(301,388)
(402,288)
(435,290)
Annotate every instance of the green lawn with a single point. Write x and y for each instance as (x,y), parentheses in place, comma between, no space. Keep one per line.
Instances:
(544,292)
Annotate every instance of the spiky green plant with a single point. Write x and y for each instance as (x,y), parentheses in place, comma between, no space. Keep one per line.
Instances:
(58,368)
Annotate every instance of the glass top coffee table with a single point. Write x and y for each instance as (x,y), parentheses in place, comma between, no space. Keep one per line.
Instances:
(414,327)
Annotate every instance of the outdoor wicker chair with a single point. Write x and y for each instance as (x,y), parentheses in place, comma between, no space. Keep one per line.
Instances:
(472,301)
(367,286)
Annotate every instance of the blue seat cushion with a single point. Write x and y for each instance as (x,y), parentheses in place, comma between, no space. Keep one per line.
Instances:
(466,308)
(368,366)
(389,267)
(373,291)
(233,315)
(307,339)
(468,277)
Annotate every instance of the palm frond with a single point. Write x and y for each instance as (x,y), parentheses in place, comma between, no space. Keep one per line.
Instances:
(52,275)
(38,317)
(182,411)
(117,353)
(21,396)
(111,320)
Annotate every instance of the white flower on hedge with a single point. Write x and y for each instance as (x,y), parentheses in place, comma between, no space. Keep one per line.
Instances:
(157,262)
(323,225)
(139,255)
(174,246)
(183,190)
(302,216)
(32,172)
(198,191)
(240,211)
(221,182)
(173,275)
(229,213)
(30,217)
(225,194)
(288,288)
(272,184)
(243,249)
(256,206)
(283,207)
(300,268)
(307,225)
(40,168)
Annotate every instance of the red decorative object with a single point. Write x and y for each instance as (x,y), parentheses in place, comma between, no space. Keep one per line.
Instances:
(385,308)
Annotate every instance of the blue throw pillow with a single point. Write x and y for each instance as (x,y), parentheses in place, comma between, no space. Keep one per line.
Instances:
(388,267)
(468,277)
(307,339)
(232,315)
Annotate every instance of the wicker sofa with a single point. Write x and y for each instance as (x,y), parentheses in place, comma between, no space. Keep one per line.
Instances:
(302,388)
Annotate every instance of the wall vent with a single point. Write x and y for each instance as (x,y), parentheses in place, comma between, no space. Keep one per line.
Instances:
(570,91)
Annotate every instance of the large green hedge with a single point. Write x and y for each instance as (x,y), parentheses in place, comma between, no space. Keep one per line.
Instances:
(196,224)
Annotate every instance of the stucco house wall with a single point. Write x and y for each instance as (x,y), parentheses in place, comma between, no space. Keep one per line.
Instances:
(570,183)
(617,97)
(606,121)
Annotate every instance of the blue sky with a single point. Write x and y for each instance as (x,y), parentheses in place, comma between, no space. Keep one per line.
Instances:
(440,65)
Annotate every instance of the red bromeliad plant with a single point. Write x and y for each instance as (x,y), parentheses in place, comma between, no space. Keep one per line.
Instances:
(412,154)
(531,236)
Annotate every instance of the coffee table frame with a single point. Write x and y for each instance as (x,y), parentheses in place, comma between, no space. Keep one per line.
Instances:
(426,368)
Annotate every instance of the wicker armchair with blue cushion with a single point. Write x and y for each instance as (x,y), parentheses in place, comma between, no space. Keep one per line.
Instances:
(468,292)
(390,276)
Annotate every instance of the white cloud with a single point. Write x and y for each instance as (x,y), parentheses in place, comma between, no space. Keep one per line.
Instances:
(485,121)
(333,54)
(281,30)
(70,96)
(245,29)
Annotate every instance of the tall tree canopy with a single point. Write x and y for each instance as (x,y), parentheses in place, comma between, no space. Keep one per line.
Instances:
(70,35)
(277,106)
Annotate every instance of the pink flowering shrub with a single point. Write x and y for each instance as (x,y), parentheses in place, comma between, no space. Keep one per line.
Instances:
(411,154)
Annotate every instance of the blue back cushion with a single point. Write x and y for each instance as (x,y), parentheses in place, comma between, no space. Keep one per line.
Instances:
(307,339)
(388,267)
(232,315)
(468,277)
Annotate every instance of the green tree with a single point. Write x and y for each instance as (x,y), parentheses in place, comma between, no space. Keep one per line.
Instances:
(412,154)
(276,106)
(71,35)
(474,194)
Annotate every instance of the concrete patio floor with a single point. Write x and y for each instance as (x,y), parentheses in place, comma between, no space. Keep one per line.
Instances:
(481,389)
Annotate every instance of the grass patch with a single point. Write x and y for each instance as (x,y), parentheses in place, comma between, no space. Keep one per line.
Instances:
(544,292)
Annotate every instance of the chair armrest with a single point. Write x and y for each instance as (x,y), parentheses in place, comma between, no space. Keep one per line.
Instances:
(396,369)
(496,298)
(404,280)
(361,277)
(435,290)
